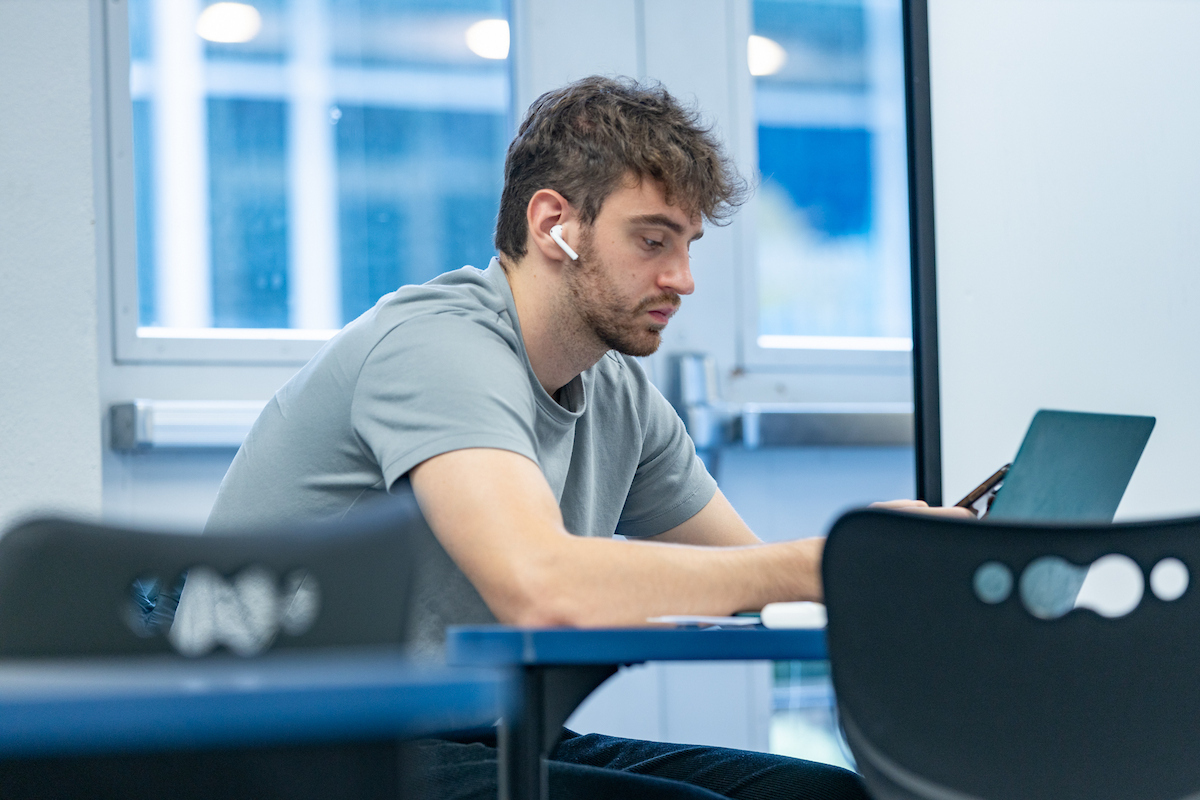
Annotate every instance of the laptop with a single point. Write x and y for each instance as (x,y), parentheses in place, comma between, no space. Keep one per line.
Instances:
(1072,467)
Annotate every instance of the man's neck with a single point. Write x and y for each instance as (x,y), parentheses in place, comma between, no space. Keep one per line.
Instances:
(557,341)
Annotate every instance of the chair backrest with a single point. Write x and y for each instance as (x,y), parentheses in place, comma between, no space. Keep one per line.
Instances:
(71,588)
(1001,661)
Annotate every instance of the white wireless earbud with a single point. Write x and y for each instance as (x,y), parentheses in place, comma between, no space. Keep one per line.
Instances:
(556,235)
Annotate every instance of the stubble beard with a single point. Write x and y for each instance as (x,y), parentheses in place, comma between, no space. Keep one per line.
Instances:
(605,313)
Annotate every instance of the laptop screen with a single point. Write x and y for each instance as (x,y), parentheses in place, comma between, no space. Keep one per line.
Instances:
(1072,467)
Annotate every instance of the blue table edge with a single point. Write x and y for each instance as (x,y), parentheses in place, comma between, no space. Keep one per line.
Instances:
(504,645)
(389,701)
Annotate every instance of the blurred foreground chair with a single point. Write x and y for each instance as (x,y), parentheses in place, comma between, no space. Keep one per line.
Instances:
(70,588)
(83,596)
(989,661)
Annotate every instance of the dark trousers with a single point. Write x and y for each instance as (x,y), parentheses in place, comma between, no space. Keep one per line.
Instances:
(604,767)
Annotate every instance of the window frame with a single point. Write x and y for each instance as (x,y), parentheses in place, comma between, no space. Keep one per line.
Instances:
(884,362)
(133,343)
(822,375)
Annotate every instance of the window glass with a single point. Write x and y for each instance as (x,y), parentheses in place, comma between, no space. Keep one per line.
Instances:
(833,252)
(297,159)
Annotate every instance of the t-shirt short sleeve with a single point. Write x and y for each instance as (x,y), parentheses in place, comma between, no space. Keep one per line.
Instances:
(438,383)
(671,484)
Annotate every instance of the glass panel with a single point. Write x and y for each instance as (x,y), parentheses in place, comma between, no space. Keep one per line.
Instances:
(297,159)
(833,257)
(804,719)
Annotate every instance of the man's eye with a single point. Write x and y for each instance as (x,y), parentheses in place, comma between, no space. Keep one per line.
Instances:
(652,243)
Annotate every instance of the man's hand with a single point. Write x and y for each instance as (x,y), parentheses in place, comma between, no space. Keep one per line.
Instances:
(921,507)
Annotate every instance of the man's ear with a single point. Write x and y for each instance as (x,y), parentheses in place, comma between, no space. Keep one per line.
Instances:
(547,208)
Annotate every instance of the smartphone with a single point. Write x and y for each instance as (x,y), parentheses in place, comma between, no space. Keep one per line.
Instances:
(980,498)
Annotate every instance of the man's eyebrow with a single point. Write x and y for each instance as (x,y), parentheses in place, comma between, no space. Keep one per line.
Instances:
(661,220)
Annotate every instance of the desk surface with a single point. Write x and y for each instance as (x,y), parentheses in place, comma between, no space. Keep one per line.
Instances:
(502,645)
(138,704)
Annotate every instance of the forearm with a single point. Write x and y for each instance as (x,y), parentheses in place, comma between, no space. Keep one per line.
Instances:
(602,582)
(506,534)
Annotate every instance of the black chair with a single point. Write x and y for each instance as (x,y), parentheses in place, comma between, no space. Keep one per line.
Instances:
(71,588)
(76,589)
(989,661)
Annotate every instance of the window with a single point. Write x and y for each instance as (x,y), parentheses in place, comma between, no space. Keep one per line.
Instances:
(832,270)
(294,160)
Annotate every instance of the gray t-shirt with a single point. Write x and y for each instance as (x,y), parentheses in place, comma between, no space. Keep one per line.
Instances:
(442,367)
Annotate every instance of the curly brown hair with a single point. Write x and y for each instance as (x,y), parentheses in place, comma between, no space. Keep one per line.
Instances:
(582,140)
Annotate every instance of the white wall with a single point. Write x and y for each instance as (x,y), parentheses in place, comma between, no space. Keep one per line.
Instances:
(49,397)
(1067,180)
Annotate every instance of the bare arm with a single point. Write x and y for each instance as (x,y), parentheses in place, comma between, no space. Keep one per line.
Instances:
(498,519)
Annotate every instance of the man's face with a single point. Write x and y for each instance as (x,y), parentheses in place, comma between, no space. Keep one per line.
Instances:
(633,267)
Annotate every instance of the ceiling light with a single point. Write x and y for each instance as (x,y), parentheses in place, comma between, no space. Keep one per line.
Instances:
(766,56)
(229,22)
(488,38)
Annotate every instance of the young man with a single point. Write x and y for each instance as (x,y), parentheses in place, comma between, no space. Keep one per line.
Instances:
(511,401)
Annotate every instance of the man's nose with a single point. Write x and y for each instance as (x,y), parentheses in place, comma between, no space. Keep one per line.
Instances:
(678,277)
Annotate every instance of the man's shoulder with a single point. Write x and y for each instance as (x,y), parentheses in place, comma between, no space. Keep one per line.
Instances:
(466,293)
(462,304)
